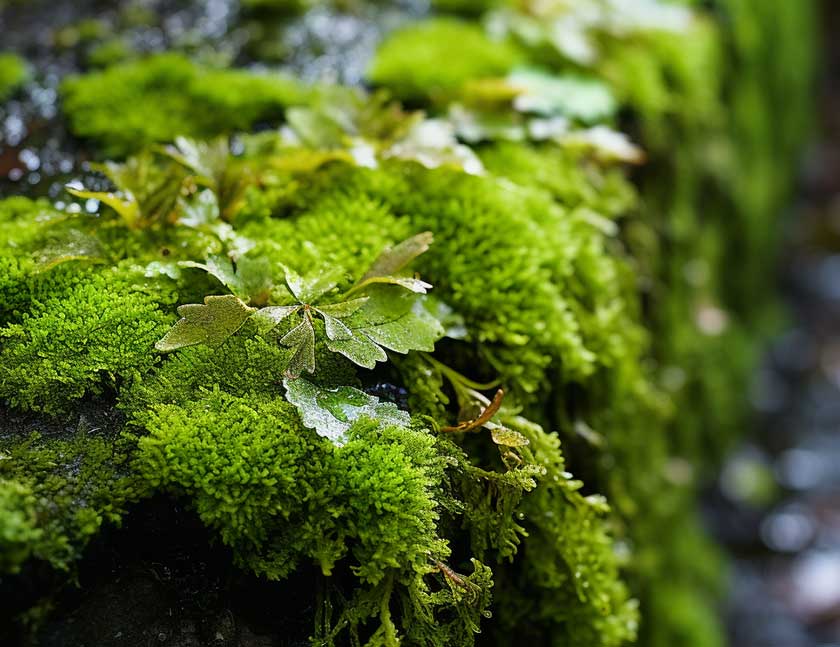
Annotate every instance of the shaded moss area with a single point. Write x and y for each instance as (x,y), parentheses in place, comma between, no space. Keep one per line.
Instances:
(62,484)
(455,347)
(166,581)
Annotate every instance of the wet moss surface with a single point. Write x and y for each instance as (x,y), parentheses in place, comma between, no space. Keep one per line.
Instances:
(351,325)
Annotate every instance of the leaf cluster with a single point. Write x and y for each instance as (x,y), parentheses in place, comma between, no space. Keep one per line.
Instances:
(164,187)
(380,311)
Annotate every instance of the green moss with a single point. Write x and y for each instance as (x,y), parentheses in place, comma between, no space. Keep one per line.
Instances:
(465,7)
(531,278)
(275,6)
(13,73)
(548,299)
(584,290)
(96,333)
(110,52)
(261,462)
(24,220)
(332,228)
(771,110)
(245,364)
(14,273)
(81,32)
(18,525)
(562,586)
(132,105)
(277,493)
(570,180)
(490,237)
(436,57)
(57,490)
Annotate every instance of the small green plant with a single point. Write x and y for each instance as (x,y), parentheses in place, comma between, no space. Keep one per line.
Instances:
(380,311)
(213,166)
(194,184)
(146,192)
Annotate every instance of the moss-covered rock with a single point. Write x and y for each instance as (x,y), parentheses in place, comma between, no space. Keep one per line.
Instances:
(61,483)
(466,361)
(95,331)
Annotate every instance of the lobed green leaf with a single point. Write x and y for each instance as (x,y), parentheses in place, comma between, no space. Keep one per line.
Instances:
(211,323)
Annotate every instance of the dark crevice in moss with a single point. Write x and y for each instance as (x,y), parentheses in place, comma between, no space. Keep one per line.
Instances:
(161,578)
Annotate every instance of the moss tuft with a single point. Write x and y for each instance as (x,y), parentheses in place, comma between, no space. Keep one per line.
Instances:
(436,57)
(96,333)
(132,105)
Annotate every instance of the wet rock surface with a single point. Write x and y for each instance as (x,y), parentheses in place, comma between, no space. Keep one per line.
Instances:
(38,155)
(159,580)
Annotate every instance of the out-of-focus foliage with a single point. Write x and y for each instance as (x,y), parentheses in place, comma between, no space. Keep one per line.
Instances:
(437,57)
(130,105)
(13,72)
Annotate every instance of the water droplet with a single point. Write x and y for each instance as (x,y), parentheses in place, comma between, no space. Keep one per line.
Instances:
(788,530)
